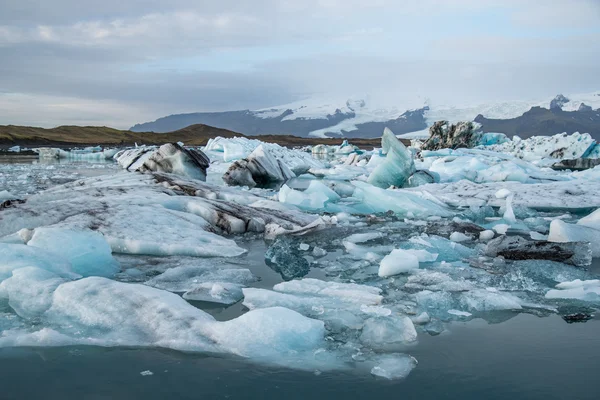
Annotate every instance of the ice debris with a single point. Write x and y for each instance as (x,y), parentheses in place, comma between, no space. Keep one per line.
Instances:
(259,168)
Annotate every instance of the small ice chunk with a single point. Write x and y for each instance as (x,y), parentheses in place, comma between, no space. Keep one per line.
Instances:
(394,366)
(319,252)
(398,262)
(459,313)
(146,373)
(501,228)
(304,246)
(421,319)
(216,292)
(502,193)
(486,235)
(459,237)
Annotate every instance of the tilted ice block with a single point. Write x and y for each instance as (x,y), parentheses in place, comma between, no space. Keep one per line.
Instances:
(88,251)
(384,333)
(15,256)
(561,231)
(581,290)
(398,164)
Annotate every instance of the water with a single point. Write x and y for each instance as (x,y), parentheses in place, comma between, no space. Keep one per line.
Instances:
(525,357)
(520,356)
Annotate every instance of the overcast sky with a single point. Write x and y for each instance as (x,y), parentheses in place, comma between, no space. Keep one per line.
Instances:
(119,62)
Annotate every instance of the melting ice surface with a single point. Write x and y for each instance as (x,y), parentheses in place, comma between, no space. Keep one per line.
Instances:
(327,272)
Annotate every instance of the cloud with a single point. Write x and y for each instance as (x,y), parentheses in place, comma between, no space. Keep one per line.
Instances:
(152,57)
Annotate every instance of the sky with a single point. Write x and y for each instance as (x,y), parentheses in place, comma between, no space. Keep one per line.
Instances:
(120,62)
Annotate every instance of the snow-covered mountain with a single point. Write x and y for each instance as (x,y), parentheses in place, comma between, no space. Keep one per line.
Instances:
(366,117)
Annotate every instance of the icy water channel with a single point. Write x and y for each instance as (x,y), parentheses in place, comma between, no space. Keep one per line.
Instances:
(531,354)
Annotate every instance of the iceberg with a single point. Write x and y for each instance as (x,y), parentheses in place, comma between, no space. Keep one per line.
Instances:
(260,168)
(398,164)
